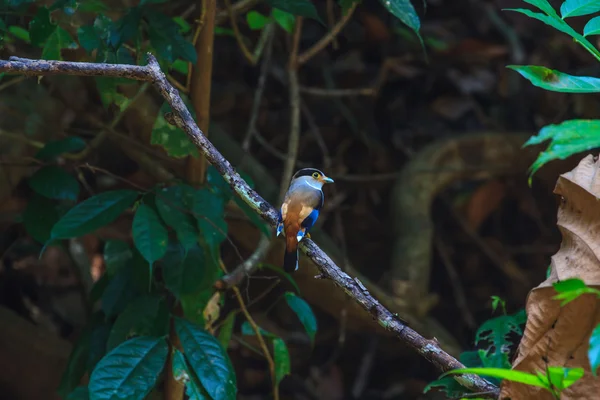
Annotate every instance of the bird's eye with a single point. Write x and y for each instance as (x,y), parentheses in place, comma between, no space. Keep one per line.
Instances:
(315,175)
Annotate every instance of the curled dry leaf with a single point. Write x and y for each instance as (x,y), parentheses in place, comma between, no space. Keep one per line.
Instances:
(556,336)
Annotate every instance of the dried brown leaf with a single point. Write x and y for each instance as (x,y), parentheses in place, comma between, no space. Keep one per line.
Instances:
(559,336)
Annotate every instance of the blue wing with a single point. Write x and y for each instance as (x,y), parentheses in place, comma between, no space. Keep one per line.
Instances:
(310,220)
(279,224)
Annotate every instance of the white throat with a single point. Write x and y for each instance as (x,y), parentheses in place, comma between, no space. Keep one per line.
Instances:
(309,181)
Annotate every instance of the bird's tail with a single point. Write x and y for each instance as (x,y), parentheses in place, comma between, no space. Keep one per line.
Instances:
(290,258)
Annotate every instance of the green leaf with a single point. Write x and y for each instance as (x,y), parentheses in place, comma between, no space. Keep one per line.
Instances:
(209,209)
(182,373)
(129,371)
(180,66)
(144,316)
(256,21)
(570,289)
(249,331)
(208,360)
(405,12)
(281,272)
(108,91)
(40,27)
(39,217)
(149,234)
(567,138)
(98,340)
(166,38)
(54,149)
(119,292)
(126,28)
(77,364)
(93,213)
(562,26)
(254,217)
(80,393)
(557,81)
(347,5)
(284,19)
(94,6)
(576,8)
(117,254)
(171,138)
(592,27)
(173,210)
(226,331)
(20,33)
(497,331)
(184,271)
(509,374)
(448,385)
(497,301)
(494,359)
(302,8)
(281,359)
(88,38)
(561,378)
(58,40)
(594,349)
(304,313)
(55,183)
(217,184)
(544,6)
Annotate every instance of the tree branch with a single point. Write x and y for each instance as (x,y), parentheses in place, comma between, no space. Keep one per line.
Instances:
(429,349)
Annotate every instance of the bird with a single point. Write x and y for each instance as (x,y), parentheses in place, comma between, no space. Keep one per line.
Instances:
(299,211)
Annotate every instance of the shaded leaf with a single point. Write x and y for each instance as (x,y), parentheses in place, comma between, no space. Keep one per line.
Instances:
(209,209)
(20,33)
(592,27)
(281,272)
(88,38)
(497,330)
(144,316)
(39,217)
(208,360)
(182,374)
(80,393)
(303,8)
(117,254)
(40,27)
(281,359)
(58,40)
(126,28)
(149,234)
(217,184)
(55,183)
(119,292)
(171,138)
(448,385)
(557,81)
(576,8)
(405,12)
(77,364)
(94,6)
(256,20)
(171,206)
(53,149)
(567,138)
(98,340)
(185,272)
(594,349)
(304,313)
(284,19)
(129,371)
(248,330)
(93,213)
(253,216)
(226,331)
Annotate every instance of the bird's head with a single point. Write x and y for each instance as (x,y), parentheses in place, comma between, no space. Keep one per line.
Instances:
(312,176)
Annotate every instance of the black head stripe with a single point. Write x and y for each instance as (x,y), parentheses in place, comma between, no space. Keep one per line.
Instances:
(306,172)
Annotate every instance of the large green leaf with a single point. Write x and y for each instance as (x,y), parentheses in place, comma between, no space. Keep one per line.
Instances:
(53,149)
(567,138)
(119,292)
(55,183)
(182,374)
(171,138)
(284,19)
(126,28)
(185,272)
(405,12)
(304,313)
(302,8)
(149,234)
(117,254)
(171,205)
(544,6)
(129,371)
(208,360)
(209,209)
(509,374)
(576,8)
(39,217)
(281,359)
(557,81)
(562,26)
(570,289)
(88,38)
(594,349)
(58,40)
(166,38)
(40,27)
(144,316)
(497,330)
(93,213)
(77,364)
(592,27)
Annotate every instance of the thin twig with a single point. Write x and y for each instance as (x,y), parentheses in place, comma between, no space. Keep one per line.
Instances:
(428,349)
(238,36)
(325,40)
(256,329)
